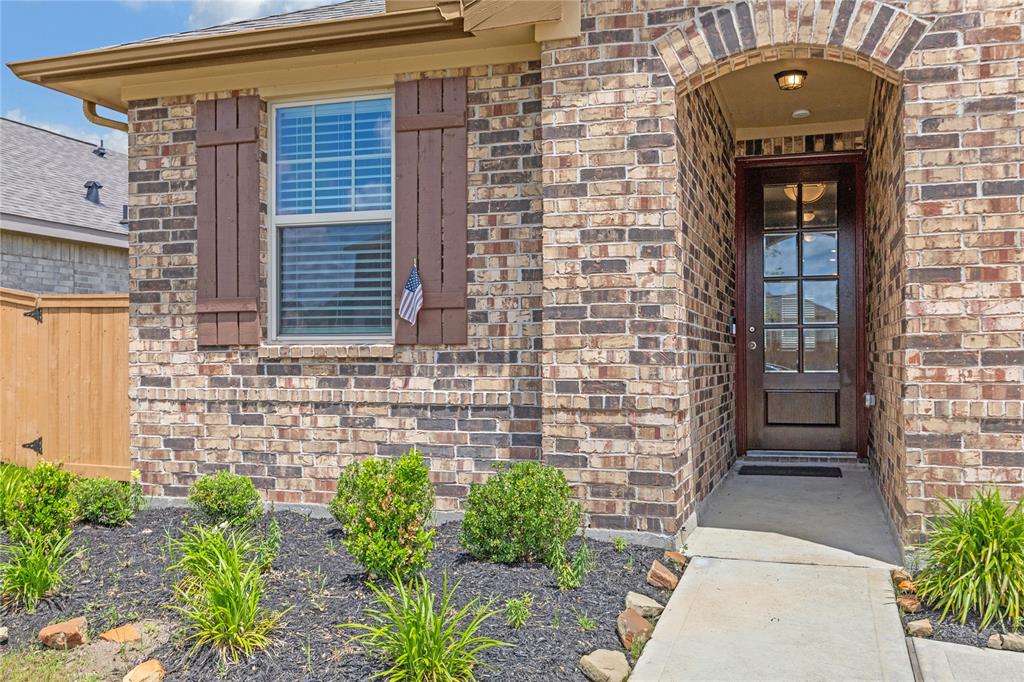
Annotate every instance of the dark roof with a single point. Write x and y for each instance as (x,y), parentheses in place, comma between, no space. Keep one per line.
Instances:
(339,10)
(43,176)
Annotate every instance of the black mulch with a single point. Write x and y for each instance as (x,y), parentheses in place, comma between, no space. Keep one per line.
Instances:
(121,576)
(949,630)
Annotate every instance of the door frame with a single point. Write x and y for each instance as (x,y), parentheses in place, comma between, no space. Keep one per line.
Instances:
(744,163)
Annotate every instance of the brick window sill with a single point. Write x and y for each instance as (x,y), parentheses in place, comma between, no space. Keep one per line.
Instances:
(327,352)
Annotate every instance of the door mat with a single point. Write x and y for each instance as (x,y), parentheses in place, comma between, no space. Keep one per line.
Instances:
(818,472)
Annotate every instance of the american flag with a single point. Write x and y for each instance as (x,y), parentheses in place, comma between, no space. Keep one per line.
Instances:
(412,297)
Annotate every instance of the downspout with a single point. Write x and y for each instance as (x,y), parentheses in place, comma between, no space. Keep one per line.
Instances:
(89,109)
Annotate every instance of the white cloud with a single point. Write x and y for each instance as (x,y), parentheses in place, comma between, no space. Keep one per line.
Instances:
(112,139)
(213,12)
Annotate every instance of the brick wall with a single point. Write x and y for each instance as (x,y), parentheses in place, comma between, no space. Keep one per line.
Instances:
(44,265)
(964,128)
(885,280)
(291,417)
(707,202)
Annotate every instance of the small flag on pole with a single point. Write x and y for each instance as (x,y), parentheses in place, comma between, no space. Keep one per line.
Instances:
(412,297)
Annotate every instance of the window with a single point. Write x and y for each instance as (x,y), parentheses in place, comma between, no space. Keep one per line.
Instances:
(332,219)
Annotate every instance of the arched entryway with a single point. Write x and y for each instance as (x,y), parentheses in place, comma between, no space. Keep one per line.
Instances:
(808,357)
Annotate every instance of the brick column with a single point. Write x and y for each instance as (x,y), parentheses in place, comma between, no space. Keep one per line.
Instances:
(613,393)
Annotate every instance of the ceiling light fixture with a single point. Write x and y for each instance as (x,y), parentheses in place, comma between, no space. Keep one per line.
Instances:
(791,79)
(801,113)
(812,191)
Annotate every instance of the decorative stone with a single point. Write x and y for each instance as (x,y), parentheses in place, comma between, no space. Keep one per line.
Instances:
(677,558)
(908,603)
(660,576)
(1009,642)
(631,625)
(907,586)
(122,634)
(147,671)
(66,635)
(3,635)
(604,665)
(898,575)
(920,628)
(644,605)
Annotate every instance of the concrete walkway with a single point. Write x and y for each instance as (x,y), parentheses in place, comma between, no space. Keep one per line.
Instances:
(945,662)
(789,581)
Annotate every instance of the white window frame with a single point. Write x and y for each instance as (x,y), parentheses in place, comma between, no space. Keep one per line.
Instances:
(275,222)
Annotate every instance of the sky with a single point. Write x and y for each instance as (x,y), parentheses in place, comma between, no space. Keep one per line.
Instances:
(30,29)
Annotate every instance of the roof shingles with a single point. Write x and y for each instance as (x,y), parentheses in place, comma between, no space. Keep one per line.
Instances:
(43,176)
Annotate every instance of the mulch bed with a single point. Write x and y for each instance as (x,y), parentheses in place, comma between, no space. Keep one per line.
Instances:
(949,630)
(121,577)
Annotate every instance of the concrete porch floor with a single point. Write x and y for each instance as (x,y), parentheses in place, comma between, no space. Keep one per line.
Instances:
(789,580)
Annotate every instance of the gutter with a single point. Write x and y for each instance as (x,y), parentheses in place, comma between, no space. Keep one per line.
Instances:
(305,37)
(89,109)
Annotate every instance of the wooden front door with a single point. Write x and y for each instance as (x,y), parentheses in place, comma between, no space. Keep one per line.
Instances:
(800,335)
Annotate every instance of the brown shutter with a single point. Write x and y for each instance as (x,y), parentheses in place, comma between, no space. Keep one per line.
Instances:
(228,205)
(430,206)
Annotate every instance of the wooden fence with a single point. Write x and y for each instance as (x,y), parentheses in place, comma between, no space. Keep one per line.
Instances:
(64,381)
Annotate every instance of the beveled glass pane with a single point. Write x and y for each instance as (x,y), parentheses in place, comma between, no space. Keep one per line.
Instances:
(820,301)
(781,350)
(780,255)
(779,206)
(819,204)
(820,253)
(780,303)
(821,350)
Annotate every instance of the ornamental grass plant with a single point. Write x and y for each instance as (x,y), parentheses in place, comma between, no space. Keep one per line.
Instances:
(33,568)
(425,638)
(974,561)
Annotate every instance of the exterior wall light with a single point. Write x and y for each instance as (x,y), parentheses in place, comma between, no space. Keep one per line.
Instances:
(791,79)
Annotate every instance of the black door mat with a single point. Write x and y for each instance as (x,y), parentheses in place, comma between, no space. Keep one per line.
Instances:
(818,472)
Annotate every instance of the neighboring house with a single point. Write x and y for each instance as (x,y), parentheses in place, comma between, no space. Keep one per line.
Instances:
(58,236)
(642,258)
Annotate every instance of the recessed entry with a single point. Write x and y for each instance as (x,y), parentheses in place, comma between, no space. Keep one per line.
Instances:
(804,408)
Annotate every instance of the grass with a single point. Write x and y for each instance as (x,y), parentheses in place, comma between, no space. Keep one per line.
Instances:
(33,569)
(29,664)
(974,561)
(517,610)
(620,544)
(423,637)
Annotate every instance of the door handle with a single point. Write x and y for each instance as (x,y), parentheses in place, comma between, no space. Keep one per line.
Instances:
(752,345)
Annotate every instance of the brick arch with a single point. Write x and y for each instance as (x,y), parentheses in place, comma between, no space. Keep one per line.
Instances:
(875,36)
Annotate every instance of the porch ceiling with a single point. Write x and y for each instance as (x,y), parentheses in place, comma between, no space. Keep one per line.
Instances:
(836,94)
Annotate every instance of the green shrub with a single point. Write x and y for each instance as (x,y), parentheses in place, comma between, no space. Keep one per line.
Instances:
(220,593)
(384,507)
(45,504)
(517,610)
(11,479)
(425,641)
(33,567)
(226,497)
(525,513)
(108,502)
(974,561)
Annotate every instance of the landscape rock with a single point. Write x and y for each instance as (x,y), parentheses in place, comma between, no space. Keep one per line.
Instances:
(604,665)
(920,628)
(908,603)
(898,575)
(147,671)
(1008,642)
(644,605)
(122,634)
(66,635)
(678,558)
(631,625)
(3,635)
(660,576)
(907,586)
